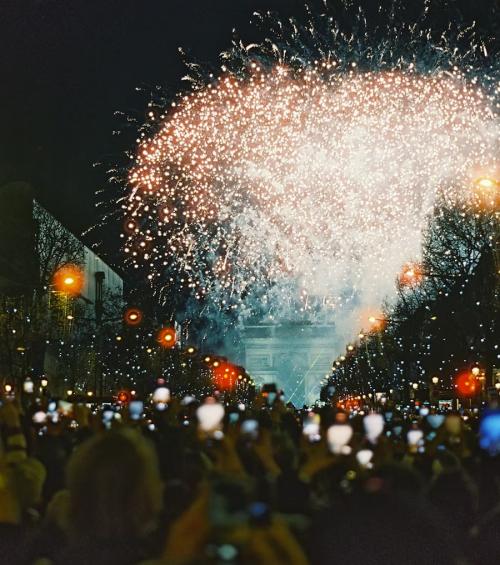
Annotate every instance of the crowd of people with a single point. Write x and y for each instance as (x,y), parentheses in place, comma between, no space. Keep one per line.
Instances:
(190,481)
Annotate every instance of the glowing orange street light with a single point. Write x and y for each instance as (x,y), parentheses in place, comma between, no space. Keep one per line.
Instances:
(467,384)
(133,317)
(166,337)
(411,274)
(486,191)
(225,374)
(68,279)
(377,323)
(123,396)
(485,182)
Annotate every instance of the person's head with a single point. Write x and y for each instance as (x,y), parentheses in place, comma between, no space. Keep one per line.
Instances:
(114,486)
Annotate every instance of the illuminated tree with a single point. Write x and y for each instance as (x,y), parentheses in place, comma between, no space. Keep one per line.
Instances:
(444,323)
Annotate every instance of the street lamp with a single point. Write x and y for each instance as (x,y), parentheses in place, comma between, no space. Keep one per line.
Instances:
(411,274)
(435,380)
(486,191)
(485,182)
(166,337)
(377,323)
(68,279)
(44,382)
(133,316)
(415,386)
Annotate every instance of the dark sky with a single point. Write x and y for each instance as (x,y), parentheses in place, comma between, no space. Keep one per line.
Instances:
(67,65)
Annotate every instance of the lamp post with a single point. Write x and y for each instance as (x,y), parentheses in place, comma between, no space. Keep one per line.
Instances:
(433,389)
(44,383)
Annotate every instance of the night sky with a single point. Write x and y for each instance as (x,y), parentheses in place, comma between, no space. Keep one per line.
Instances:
(67,65)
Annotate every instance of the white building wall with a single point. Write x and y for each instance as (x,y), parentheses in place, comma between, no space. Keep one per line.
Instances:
(94,264)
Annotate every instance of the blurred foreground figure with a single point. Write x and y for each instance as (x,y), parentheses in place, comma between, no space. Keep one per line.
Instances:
(21,483)
(113,500)
(380,529)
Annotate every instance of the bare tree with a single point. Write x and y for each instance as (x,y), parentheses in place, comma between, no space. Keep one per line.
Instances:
(55,246)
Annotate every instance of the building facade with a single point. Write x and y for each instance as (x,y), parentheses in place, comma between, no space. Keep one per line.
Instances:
(294,356)
(36,318)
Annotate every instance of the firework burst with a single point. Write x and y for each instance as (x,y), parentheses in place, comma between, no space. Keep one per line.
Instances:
(297,180)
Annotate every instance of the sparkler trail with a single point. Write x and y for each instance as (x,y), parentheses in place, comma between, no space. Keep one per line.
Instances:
(295,183)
